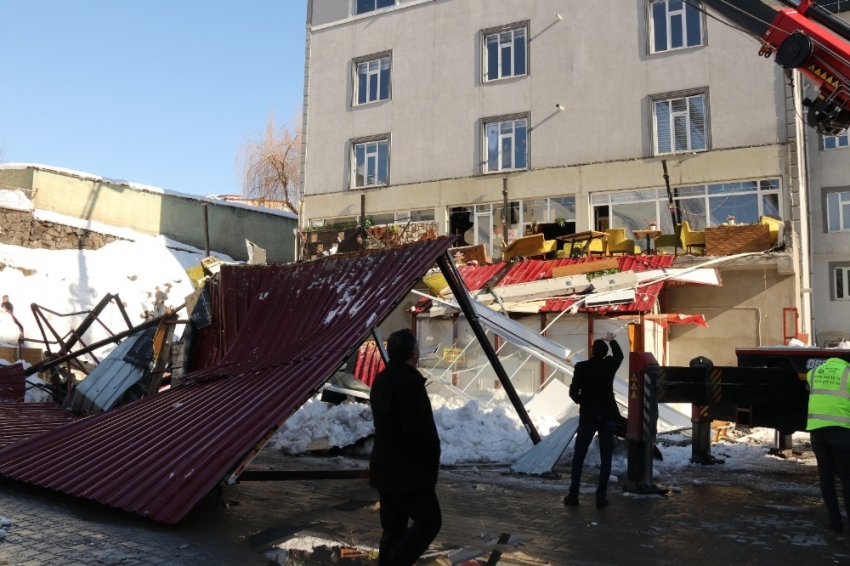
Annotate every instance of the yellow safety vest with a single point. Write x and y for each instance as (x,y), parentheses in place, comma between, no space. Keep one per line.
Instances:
(829,397)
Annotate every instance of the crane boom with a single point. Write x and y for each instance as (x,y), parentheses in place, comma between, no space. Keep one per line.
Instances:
(806,37)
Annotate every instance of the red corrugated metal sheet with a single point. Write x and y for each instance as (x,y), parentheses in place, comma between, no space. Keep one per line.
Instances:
(296,324)
(645,296)
(24,420)
(369,363)
(476,276)
(12,384)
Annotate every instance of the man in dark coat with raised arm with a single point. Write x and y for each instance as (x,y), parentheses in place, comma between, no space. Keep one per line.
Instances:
(406,455)
(593,389)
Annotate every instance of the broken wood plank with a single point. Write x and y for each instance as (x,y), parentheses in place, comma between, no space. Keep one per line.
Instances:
(586,267)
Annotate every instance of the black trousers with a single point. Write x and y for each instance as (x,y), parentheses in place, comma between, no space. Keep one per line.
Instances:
(402,545)
(831,446)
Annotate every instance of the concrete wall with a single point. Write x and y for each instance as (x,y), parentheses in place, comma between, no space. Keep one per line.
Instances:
(829,170)
(745,312)
(594,63)
(177,217)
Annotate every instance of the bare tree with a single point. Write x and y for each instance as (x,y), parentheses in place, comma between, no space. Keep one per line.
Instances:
(270,168)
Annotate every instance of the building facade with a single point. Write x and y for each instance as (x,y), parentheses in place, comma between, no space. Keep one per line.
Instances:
(432,110)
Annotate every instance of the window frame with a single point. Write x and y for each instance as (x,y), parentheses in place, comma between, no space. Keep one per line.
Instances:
(353,8)
(650,29)
(843,195)
(484,146)
(835,268)
(670,96)
(526,25)
(660,200)
(353,144)
(357,61)
(838,139)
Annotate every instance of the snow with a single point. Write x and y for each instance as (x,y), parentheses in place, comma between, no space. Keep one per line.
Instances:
(35,394)
(68,281)
(468,432)
(145,188)
(15,200)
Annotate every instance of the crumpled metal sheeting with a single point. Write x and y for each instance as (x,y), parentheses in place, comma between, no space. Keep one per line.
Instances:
(159,456)
(24,420)
(13,383)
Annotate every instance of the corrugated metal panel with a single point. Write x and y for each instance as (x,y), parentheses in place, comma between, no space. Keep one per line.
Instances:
(24,420)
(104,386)
(611,297)
(369,363)
(12,384)
(542,457)
(476,276)
(296,324)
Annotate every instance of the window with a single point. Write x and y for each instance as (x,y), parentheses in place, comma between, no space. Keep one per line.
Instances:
(363,6)
(680,124)
(674,24)
(701,206)
(506,145)
(482,223)
(841,283)
(838,211)
(371,163)
(372,79)
(834,142)
(505,53)
(426,215)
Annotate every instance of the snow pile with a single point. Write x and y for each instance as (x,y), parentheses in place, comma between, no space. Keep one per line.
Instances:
(76,280)
(15,200)
(468,432)
(36,394)
(341,425)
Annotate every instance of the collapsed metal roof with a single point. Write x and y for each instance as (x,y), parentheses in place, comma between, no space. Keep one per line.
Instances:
(288,328)
(24,420)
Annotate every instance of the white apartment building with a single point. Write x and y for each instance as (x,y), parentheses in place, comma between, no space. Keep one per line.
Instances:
(431,108)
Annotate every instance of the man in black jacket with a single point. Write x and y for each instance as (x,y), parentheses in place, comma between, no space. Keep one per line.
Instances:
(406,455)
(593,388)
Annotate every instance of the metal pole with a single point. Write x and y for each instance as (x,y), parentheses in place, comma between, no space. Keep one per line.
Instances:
(670,205)
(206,232)
(455,282)
(376,334)
(363,220)
(506,218)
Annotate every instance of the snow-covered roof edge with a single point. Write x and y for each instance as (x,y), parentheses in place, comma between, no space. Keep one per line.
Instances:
(146,188)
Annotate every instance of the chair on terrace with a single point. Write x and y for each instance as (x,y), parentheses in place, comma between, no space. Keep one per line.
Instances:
(617,243)
(774,226)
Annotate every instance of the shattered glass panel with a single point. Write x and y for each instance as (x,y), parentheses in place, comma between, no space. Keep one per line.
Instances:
(743,207)
(563,207)
(770,206)
(692,210)
(634,216)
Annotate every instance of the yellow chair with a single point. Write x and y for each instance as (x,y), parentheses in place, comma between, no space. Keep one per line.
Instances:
(773,225)
(617,243)
(691,238)
(670,240)
(528,246)
(597,246)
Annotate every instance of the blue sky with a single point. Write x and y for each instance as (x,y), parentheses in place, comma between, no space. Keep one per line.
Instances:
(152,91)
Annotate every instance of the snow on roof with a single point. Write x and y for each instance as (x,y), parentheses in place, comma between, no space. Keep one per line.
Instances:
(146,188)
(15,200)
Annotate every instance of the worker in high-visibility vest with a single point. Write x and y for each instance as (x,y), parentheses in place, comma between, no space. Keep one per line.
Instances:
(829,425)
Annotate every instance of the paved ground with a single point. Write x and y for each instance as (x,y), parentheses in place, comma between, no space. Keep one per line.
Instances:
(718,516)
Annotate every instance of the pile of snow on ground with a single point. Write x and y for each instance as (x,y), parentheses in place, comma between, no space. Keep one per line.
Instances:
(468,432)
